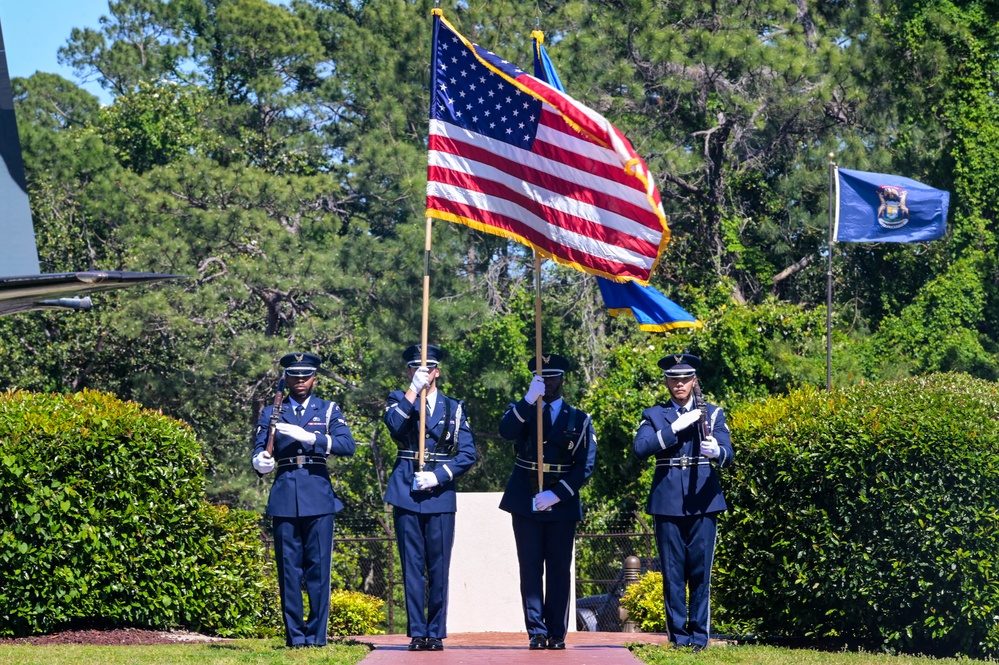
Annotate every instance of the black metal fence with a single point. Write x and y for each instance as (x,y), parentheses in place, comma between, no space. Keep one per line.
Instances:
(601,550)
(365,559)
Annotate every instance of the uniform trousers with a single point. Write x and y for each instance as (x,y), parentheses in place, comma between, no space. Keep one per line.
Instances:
(686,551)
(425,541)
(303,549)
(544,552)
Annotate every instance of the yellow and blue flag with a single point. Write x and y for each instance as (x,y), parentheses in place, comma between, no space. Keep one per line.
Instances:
(876,207)
(653,311)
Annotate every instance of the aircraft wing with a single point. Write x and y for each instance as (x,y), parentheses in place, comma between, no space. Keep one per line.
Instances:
(60,290)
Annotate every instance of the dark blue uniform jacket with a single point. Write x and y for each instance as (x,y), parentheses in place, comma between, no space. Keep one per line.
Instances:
(307,490)
(571,442)
(678,491)
(451,439)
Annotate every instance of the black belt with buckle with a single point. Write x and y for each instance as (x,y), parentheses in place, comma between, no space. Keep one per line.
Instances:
(683,462)
(547,468)
(427,456)
(300,461)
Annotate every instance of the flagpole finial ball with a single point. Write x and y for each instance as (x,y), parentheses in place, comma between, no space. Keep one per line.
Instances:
(832,155)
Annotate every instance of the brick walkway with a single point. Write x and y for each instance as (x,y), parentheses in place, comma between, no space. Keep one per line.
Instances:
(582,648)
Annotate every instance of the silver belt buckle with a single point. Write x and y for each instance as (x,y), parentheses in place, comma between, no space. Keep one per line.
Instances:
(300,460)
(684,462)
(546,468)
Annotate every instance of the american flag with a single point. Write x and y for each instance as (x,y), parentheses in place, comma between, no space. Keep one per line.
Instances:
(512,156)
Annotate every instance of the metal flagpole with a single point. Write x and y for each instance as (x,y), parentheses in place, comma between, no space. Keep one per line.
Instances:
(829,272)
(538,369)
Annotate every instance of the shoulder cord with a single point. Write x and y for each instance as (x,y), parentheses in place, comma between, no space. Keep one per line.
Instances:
(714,417)
(582,430)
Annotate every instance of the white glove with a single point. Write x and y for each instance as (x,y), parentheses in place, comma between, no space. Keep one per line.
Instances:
(709,448)
(426,480)
(263,462)
(545,500)
(685,420)
(420,380)
(297,433)
(535,390)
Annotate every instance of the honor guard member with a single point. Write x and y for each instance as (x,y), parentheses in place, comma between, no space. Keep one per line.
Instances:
(302,501)
(685,497)
(424,500)
(544,518)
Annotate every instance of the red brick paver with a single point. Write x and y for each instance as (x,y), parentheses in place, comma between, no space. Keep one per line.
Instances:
(582,648)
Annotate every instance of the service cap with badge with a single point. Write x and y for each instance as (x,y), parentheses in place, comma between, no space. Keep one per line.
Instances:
(679,365)
(413,354)
(552,364)
(300,364)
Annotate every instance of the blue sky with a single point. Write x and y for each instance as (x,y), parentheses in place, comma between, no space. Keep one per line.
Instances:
(33,31)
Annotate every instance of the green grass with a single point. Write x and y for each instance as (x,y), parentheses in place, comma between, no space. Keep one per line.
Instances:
(273,652)
(236,652)
(759,655)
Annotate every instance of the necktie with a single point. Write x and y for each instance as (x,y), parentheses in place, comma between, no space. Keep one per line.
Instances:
(546,422)
(682,410)
(299,410)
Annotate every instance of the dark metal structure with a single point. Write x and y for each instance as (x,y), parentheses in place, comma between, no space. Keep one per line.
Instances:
(22,287)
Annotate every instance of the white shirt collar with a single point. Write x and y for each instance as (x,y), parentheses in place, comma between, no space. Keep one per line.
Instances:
(294,405)
(431,401)
(689,405)
(556,408)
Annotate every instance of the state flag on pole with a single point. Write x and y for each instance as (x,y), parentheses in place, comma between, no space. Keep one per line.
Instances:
(875,207)
(512,156)
(653,311)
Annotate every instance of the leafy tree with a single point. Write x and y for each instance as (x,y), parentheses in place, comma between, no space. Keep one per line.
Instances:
(726,101)
(156,125)
(133,44)
(276,155)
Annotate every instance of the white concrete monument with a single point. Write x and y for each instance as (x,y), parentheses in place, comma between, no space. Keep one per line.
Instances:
(484,586)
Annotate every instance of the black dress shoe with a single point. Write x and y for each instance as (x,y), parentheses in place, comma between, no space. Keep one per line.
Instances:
(418,644)
(556,643)
(539,642)
(694,648)
(434,644)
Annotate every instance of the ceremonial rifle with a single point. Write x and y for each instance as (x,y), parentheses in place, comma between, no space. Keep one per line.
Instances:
(275,415)
(699,403)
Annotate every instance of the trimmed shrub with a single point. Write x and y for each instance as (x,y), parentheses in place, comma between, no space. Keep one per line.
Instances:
(355,613)
(870,513)
(644,602)
(102,521)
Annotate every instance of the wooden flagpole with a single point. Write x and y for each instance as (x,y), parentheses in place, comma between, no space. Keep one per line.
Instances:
(437,13)
(423,343)
(538,365)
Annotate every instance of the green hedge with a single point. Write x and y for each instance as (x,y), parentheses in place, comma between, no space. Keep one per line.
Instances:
(103,521)
(355,613)
(645,603)
(870,513)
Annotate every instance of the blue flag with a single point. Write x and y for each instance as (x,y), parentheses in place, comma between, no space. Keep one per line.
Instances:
(653,311)
(875,207)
